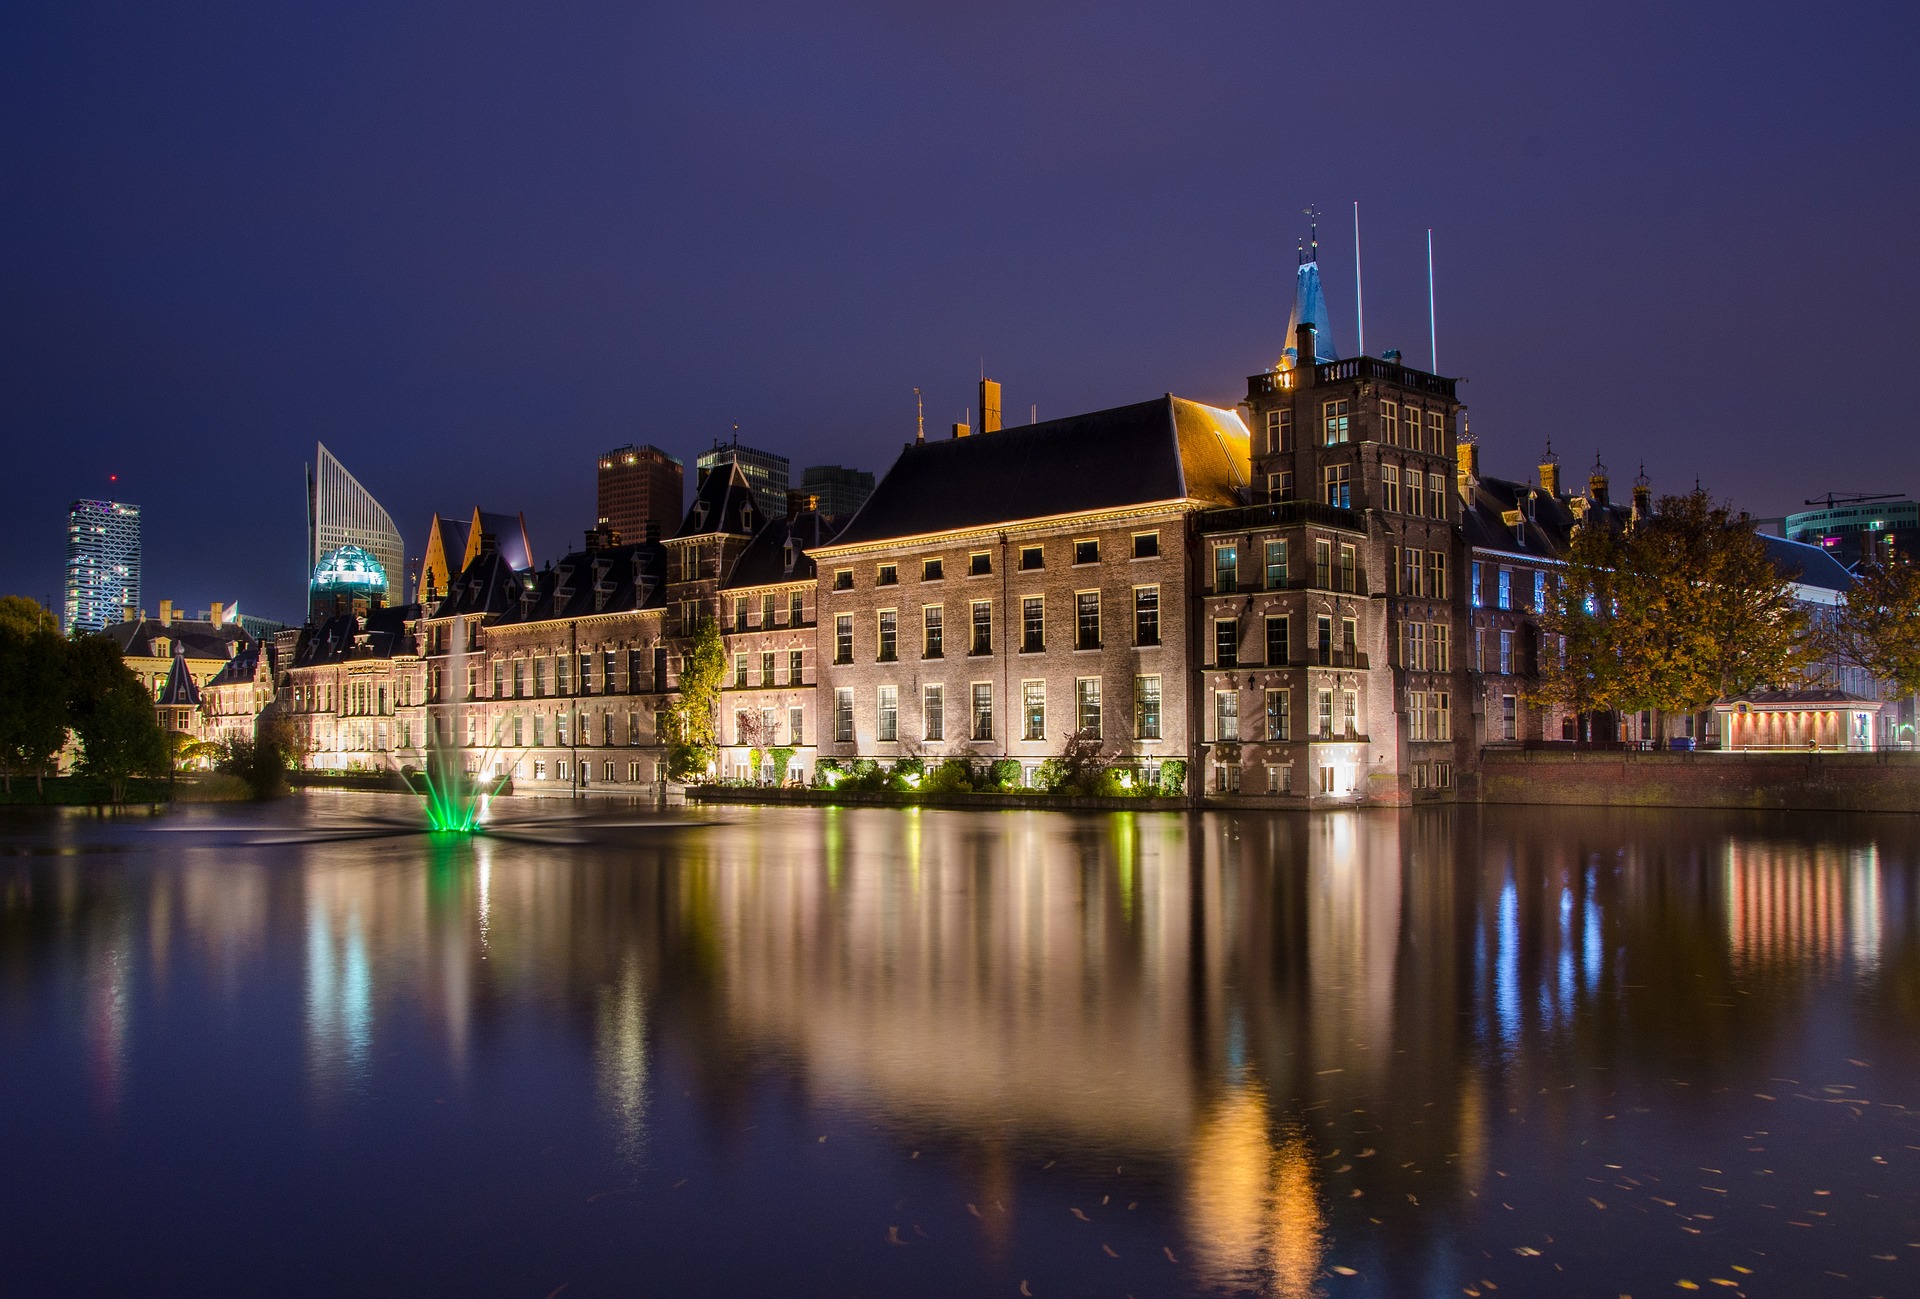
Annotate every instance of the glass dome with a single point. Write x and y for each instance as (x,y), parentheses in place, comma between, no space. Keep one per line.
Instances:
(350,569)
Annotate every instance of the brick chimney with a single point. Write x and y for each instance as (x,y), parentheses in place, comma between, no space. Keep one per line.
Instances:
(166,613)
(989,405)
(961,430)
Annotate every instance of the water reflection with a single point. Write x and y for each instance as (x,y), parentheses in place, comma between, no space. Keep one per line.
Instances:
(1406,1046)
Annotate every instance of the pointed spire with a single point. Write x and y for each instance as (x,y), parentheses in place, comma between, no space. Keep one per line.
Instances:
(1309,304)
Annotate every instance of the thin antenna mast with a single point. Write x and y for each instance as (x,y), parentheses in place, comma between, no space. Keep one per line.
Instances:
(1359,296)
(1433,338)
(919,417)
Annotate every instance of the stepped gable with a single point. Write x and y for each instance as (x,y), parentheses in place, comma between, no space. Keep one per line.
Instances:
(245,664)
(1167,449)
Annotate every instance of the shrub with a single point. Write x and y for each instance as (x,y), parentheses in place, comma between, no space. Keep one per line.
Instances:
(1003,774)
(827,773)
(954,776)
(782,755)
(908,774)
(1173,777)
(1051,777)
(1116,782)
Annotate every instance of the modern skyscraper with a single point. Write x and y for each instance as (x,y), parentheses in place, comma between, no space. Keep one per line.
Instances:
(839,490)
(340,512)
(765,472)
(640,487)
(103,563)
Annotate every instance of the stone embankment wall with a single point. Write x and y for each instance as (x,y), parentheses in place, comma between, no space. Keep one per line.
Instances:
(881,798)
(1822,782)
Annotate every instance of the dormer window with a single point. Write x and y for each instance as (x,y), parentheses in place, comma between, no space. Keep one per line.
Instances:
(699,514)
(746,518)
(790,555)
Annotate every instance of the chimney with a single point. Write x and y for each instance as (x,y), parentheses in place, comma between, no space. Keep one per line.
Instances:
(961,430)
(1306,350)
(1550,472)
(127,612)
(1597,483)
(166,613)
(989,405)
(1642,496)
(801,502)
(489,544)
(218,614)
(653,531)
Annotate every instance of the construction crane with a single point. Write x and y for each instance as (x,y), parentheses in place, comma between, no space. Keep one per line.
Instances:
(1853,498)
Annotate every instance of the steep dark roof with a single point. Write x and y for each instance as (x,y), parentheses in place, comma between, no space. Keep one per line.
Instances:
(1546,522)
(768,560)
(382,634)
(245,664)
(1807,565)
(179,691)
(1799,698)
(1167,449)
(202,639)
(594,581)
(509,533)
(724,503)
(489,585)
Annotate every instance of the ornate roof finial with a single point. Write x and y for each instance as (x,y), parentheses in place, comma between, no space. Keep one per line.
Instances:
(1313,232)
(1643,480)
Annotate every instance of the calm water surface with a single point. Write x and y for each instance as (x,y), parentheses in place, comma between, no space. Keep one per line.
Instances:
(937,1053)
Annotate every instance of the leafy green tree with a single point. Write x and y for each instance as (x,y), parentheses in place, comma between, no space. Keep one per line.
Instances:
(33,706)
(1878,627)
(264,760)
(689,724)
(120,738)
(1681,609)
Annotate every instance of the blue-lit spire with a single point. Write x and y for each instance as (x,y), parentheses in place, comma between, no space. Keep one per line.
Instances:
(1309,302)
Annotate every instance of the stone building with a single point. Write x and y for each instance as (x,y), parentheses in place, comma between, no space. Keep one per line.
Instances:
(355,692)
(239,692)
(999,592)
(148,646)
(770,597)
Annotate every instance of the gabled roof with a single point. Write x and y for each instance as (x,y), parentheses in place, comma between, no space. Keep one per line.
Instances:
(1167,449)
(201,639)
(587,582)
(509,533)
(779,551)
(1813,697)
(1807,565)
(180,690)
(724,504)
(381,634)
(488,585)
(1545,525)
(245,665)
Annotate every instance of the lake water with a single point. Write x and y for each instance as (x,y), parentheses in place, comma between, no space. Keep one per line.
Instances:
(867,1052)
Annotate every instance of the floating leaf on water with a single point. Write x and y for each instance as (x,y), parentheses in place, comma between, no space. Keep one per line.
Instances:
(1169,1254)
(1344,1271)
(1076,1213)
(893,1236)
(1109,1249)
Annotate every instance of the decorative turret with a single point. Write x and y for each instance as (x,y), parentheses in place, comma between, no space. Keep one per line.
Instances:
(1550,472)
(1597,482)
(1642,496)
(1309,306)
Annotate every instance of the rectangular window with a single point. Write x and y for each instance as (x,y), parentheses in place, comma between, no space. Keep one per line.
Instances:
(982,627)
(1226,715)
(1032,557)
(1280,779)
(1279,432)
(933,712)
(1416,502)
(843,579)
(660,667)
(889,636)
(979,563)
(1326,712)
(1339,485)
(767,659)
(931,570)
(559,728)
(539,678)
(796,726)
(499,679)
(1086,550)
(1411,566)
(1033,710)
(1442,718)
(1390,488)
(1540,591)
(1506,653)
(1474,599)
(1226,643)
(739,613)
(1440,655)
(1479,649)
(888,575)
(1323,564)
(1416,715)
(795,669)
(1436,432)
(982,710)
(1279,715)
(1323,638)
(1416,655)
(633,730)
(1436,574)
(1349,650)
(1390,423)
(1350,712)
(888,727)
(1349,568)
(1146,615)
(1509,717)
(1146,545)
(1033,624)
(796,609)
(1226,570)
(1276,565)
(1503,589)
(1146,707)
(768,604)
(539,730)
(1277,641)
(843,638)
(1086,704)
(636,668)
(739,671)
(1436,496)
(933,634)
(1333,422)
(1086,623)
(843,715)
(586,673)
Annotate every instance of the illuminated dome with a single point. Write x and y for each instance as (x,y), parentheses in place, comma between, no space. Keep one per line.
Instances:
(350,569)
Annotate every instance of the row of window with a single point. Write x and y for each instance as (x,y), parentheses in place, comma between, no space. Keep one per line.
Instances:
(761,729)
(1429,503)
(1335,643)
(1423,573)
(769,607)
(1505,586)
(1033,626)
(520,731)
(1086,550)
(1400,426)
(1426,647)
(1088,710)
(1335,715)
(596,671)
(1276,573)
(769,661)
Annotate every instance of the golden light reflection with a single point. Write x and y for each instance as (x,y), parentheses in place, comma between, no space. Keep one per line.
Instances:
(1252,1202)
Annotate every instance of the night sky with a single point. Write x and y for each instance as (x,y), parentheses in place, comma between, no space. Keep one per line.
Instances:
(469,246)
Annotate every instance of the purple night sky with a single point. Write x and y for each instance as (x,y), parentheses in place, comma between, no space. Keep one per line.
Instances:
(471,245)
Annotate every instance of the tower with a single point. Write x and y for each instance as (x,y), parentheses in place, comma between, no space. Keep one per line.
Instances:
(103,564)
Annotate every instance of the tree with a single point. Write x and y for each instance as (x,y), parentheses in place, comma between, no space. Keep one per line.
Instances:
(33,706)
(1878,627)
(1680,609)
(120,738)
(688,725)
(264,760)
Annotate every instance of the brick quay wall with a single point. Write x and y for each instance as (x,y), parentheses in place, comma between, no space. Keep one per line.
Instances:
(1816,782)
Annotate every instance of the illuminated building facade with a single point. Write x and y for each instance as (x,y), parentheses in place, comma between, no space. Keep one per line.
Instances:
(347,579)
(355,692)
(235,696)
(641,491)
(340,512)
(453,544)
(1859,531)
(150,646)
(103,564)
